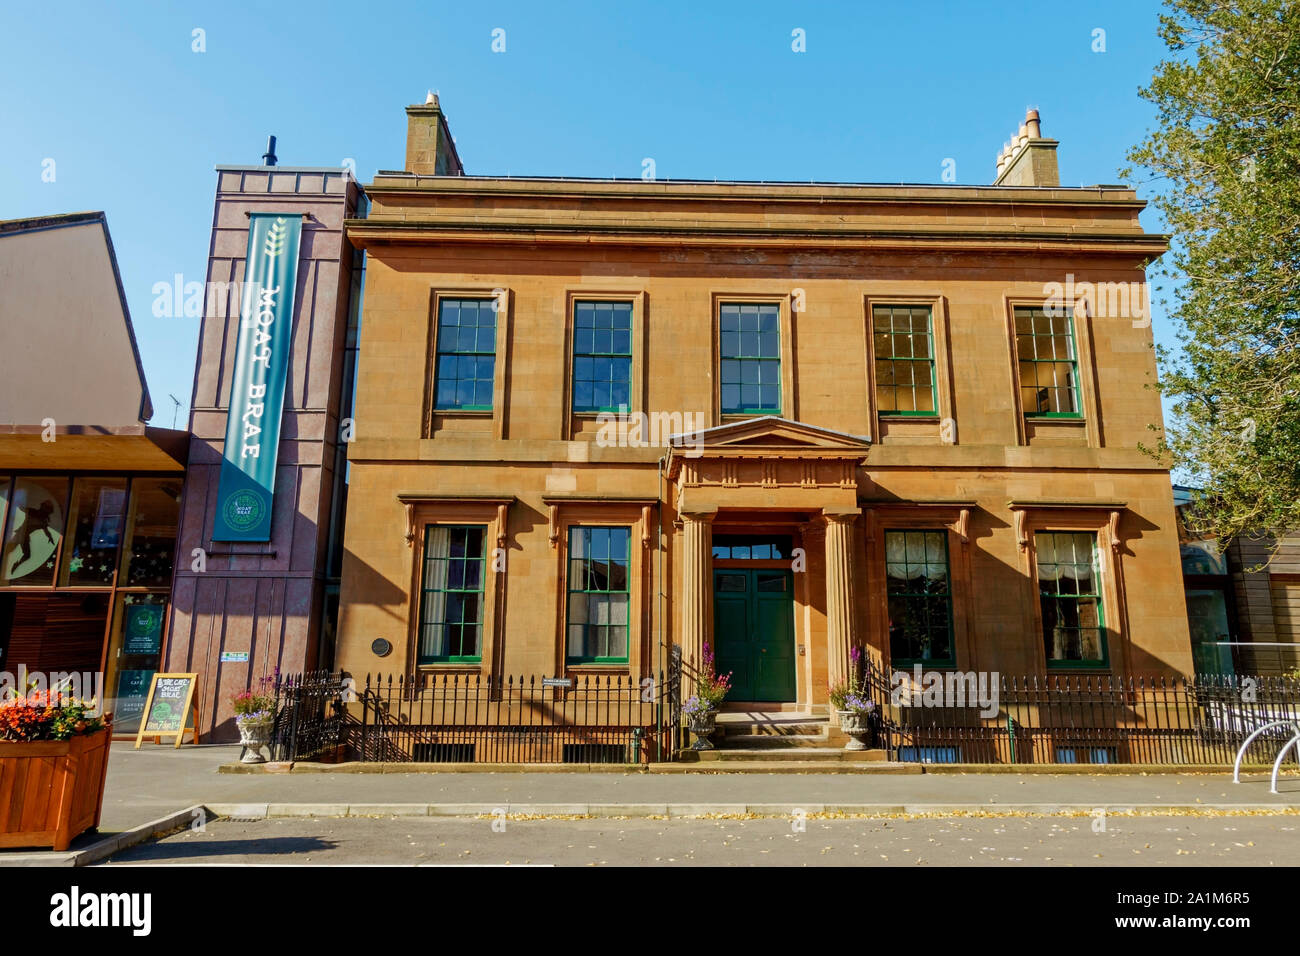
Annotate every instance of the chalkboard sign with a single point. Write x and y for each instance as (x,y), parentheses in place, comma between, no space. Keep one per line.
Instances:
(170,699)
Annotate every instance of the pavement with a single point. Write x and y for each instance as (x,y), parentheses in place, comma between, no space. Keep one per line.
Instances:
(147,783)
(1002,841)
(151,786)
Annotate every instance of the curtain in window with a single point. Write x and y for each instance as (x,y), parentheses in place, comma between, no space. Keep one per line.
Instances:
(433,642)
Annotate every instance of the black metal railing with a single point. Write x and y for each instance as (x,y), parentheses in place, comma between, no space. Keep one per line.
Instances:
(1080,719)
(464,718)
(310,715)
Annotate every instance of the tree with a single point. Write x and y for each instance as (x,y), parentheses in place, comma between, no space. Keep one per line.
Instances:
(1226,156)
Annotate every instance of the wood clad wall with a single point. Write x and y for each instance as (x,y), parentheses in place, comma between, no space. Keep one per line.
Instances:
(64,633)
(265,600)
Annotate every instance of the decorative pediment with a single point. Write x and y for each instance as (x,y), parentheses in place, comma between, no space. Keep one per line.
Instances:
(767,432)
(766,451)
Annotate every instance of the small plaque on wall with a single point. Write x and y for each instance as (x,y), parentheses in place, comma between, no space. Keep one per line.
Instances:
(381,647)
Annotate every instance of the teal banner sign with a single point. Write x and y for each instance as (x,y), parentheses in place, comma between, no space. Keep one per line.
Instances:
(247,483)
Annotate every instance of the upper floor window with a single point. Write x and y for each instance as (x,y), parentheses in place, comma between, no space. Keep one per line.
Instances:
(451,594)
(602,356)
(750,355)
(919,597)
(904,351)
(466,361)
(1049,367)
(1069,589)
(599,610)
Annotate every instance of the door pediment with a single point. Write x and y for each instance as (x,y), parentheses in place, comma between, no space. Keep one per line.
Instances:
(767,463)
(766,432)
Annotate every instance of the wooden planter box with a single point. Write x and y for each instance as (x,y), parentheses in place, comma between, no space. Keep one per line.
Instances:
(52,791)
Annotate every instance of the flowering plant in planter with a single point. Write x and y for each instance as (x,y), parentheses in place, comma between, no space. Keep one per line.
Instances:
(53,761)
(255,717)
(702,708)
(46,715)
(253,708)
(711,689)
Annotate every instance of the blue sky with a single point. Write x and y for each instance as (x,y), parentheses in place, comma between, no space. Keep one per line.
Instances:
(135,120)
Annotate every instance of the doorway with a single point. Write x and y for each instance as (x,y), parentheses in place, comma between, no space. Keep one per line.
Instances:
(753,632)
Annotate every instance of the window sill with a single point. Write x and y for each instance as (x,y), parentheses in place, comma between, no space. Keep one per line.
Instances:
(449,666)
(907,665)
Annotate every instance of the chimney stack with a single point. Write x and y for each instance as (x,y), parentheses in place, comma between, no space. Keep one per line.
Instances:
(1029,159)
(430,150)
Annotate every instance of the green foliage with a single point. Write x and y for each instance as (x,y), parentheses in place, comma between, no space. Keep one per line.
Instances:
(1226,163)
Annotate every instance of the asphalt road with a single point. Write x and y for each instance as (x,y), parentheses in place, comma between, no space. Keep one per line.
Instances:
(994,841)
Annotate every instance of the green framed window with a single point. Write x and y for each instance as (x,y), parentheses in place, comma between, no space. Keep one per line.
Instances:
(903,340)
(919,594)
(599,602)
(749,350)
(467,353)
(602,356)
(1048,363)
(1069,594)
(451,594)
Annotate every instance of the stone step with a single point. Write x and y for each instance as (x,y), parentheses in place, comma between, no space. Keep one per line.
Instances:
(772,728)
(736,741)
(801,755)
(788,766)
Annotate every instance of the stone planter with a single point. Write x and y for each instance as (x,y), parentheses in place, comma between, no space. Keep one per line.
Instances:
(253,737)
(52,791)
(857,724)
(702,724)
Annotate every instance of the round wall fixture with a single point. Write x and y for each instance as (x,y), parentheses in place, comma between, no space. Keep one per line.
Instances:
(381,647)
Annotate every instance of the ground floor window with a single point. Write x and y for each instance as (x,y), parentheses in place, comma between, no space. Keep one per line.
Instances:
(1069,589)
(599,597)
(451,595)
(919,596)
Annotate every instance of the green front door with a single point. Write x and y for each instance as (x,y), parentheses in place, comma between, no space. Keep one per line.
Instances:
(753,633)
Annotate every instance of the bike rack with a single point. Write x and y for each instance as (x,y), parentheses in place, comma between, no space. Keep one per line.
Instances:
(1277,765)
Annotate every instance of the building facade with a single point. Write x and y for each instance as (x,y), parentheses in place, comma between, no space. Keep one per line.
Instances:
(89,493)
(599,418)
(243,610)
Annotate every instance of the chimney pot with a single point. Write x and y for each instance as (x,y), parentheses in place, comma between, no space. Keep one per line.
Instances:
(1033,125)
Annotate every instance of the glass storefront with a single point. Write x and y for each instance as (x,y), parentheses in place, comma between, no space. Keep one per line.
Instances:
(99,594)
(33,530)
(134,651)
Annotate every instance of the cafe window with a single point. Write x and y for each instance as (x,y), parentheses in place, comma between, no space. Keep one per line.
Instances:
(451,594)
(134,654)
(919,596)
(95,524)
(149,543)
(1069,588)
(34,531)
(599,597)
